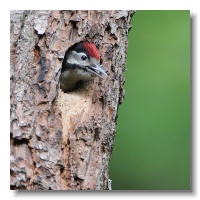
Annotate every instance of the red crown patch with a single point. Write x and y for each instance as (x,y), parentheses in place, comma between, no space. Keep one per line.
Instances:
(92,50)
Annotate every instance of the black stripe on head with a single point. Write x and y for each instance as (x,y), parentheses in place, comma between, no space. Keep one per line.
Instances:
(74,66)
(80,48)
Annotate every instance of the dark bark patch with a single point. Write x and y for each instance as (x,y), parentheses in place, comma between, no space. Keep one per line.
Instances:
(42,72)
(18,142)
(96,134)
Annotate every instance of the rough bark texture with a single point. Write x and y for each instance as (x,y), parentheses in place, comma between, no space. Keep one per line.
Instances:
(63,141)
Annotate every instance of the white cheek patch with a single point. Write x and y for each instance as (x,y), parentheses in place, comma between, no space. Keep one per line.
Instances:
(75,58)
(72,59)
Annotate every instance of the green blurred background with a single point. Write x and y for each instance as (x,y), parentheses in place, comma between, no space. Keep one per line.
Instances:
(152,144)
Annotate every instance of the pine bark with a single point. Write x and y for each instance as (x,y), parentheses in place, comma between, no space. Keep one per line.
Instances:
(63,141)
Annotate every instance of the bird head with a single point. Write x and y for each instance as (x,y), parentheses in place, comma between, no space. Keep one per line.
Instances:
(84,57)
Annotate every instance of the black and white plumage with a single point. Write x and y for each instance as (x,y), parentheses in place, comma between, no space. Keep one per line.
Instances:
(81,63)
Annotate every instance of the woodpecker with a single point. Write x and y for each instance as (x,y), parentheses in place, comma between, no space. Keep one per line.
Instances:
(81,63)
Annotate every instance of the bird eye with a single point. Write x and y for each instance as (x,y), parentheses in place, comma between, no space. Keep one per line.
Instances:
(83,57)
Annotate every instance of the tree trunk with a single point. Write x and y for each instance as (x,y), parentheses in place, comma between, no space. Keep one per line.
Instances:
(63,141)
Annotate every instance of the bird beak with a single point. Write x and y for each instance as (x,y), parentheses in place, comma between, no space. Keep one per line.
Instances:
(97,70)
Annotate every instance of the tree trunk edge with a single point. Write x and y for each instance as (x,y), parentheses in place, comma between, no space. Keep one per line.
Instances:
(63,141)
